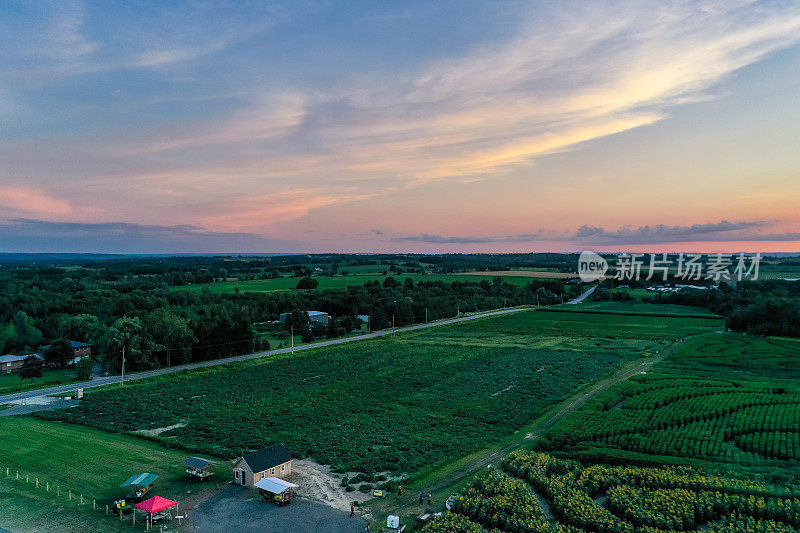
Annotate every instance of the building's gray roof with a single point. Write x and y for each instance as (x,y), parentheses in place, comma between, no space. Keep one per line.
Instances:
(270,456)
(10,358)
(275,485)
(75,344)
(197,462)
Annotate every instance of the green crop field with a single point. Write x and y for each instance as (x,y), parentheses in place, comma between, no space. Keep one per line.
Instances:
(537,492)
(639,308)
(728,400)
(87,462)
(336,282)
(398,404)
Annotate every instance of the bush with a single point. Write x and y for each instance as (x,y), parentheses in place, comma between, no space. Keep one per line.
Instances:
(83,369)
(307,283)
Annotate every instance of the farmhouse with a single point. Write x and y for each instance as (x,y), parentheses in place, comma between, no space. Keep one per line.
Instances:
(80,349)
(272,461)
(315,317)
(13,363)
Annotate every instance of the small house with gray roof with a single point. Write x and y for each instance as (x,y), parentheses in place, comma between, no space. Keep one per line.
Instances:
(272,461)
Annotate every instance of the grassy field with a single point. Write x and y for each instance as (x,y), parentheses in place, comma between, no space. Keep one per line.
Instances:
(10,383)
(638,308)
(86,461)
(397,404)
(336,282)
(724,401)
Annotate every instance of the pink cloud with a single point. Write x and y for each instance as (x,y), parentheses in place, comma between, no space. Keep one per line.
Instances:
(32,200)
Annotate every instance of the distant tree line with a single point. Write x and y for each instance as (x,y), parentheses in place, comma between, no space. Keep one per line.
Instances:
(127,306)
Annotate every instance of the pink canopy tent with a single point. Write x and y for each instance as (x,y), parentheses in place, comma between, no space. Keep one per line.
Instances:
(155,504)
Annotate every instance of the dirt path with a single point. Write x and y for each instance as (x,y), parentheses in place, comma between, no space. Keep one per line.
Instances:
(444,480)
(317,482)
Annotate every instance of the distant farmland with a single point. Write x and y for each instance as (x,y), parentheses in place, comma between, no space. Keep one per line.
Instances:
(396,404)
(341,282)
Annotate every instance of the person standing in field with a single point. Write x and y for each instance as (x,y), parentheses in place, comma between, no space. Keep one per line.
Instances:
(400,491)
(429,499)
(352,510)
(421,498)
(367,529)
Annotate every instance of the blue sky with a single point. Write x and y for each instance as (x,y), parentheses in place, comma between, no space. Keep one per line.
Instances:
(399,126)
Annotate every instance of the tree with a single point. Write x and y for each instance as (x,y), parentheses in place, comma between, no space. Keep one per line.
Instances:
(307,283)
(60,353)
(20,334)
(83,327)
(170,333)
(31,367)
(127,333)
(83,369)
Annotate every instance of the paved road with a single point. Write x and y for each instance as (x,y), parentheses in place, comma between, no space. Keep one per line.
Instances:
(107,380)
(583,296)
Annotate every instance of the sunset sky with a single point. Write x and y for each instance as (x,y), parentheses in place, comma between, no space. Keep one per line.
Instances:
(399,126)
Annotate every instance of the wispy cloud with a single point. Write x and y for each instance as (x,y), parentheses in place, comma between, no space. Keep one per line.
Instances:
(205,130)
(439,239)
(30,235)
(723,231)
(32,200)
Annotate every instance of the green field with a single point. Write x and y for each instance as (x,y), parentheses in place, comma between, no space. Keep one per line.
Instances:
(399,404)
(336,282)
(10,383)
(725,401)
(638,308)
(709,441)
(86,461)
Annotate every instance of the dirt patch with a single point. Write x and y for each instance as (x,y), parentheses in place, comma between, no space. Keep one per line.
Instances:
(523,274)
(317,482)
(158,431)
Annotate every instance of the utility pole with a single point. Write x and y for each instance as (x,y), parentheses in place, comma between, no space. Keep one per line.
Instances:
(122,377)
(537,301)
(291,328)
(426,314)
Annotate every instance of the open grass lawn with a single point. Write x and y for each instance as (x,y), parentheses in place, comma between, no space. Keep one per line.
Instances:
(335,282)
(91,462)
(23,508)
(724,400)
(11,382)
(399,404)
(88,462)
(637,308)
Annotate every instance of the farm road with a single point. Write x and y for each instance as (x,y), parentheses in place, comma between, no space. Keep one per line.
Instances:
(108,380)
(446,479)
(583,296)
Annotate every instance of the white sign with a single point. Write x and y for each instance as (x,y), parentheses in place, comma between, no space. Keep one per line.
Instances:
(393,521)
(591,267)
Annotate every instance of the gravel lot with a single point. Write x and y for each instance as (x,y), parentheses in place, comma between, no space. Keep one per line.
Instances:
(242,510)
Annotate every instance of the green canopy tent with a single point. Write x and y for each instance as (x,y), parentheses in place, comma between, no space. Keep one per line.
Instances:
(139,484)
